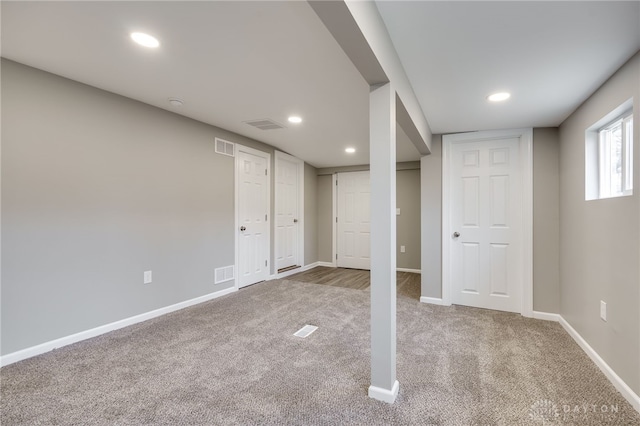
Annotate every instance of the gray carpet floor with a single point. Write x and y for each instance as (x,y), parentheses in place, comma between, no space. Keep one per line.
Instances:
(234,360)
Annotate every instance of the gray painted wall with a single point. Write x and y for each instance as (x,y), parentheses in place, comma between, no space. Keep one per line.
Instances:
(599,240)
(431,181)
(96,189)
(325,218)
(310,215)
(408,223)
(545,220)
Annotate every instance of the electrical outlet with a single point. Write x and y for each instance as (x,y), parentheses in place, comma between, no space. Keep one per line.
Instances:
(603,310)
(397,212)
(402,249)
(147,277)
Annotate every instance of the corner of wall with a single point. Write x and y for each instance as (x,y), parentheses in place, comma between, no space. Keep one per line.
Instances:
(431,220)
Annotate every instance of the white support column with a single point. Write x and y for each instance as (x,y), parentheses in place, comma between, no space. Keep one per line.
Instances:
(382,128)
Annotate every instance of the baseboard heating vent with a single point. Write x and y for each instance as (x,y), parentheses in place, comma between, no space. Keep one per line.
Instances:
(223,274)
(224,147)
(305,331)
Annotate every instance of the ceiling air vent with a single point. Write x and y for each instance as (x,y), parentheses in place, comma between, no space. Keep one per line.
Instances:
(224,147)
(265,124)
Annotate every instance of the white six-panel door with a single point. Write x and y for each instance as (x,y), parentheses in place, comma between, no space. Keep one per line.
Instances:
(354,217)
(288,217)
(253,209)
(484,229)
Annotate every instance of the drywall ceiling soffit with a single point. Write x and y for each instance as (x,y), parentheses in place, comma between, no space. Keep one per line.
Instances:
(337,18)
(409,128)
(360,31)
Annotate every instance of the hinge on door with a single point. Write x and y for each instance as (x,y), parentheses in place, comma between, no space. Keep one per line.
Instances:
(336,182)
(336,256)
(265,217)
(265,263)
(265,172)
(336,219)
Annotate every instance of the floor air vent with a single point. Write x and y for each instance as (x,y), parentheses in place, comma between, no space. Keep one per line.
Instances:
(265,124)
(305,331)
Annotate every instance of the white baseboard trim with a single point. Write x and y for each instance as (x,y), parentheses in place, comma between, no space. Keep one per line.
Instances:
(546,316)
(333,265)
(413,271)
(309,266)
(434,301)
(88,334)
(617,382)
(293,271)
(385,395)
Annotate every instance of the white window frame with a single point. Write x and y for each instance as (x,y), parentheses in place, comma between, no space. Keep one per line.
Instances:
(627,159)
(596,184)
(625,122)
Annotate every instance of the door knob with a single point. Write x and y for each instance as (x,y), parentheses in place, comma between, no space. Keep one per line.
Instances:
(295,220)
(456,234)
(242,228)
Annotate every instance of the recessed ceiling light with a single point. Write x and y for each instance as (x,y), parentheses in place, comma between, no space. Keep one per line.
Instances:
(295,119)
(497,97)
(175,102)
(145,40)
(350,150)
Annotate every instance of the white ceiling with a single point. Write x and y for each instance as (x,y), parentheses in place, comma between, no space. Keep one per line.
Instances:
(550,55)
(237,61)
(228,61)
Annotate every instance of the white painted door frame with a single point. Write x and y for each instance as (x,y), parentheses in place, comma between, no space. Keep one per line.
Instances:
(267,156)
(526,163)
(279,157)
(334,220)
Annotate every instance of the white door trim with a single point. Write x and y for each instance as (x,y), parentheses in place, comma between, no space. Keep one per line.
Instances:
(334,231)
(279,156)
(236,207)
(526,163)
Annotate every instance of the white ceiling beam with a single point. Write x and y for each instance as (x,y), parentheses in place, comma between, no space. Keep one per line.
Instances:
(359,29)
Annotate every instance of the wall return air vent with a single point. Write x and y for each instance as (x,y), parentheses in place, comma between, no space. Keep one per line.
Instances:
(226,273)
(265,124)
(224,147)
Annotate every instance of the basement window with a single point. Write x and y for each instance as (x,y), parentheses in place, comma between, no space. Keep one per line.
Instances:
(609,156)
(616,158)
